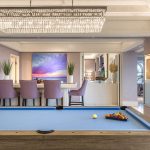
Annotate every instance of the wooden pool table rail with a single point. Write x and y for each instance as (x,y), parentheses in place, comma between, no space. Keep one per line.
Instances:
(61,140)
(74,133)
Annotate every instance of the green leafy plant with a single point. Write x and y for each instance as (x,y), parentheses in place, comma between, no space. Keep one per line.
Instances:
(6,67)
(71,67)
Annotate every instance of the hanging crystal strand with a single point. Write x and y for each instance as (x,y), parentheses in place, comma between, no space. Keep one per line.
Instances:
(52,20)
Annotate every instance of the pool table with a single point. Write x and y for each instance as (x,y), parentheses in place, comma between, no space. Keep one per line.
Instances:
(72,128)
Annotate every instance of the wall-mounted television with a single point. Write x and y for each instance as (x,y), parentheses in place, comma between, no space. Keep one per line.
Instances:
(49,66)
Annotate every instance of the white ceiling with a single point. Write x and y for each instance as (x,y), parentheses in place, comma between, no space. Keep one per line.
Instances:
(127,24)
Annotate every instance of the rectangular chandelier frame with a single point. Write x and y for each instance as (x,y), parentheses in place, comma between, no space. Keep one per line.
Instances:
(52,19)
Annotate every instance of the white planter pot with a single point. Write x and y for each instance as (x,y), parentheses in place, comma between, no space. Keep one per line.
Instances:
(70,79)
(114,77)
(6,77)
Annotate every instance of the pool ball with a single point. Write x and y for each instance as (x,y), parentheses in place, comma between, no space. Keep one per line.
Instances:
(94,116)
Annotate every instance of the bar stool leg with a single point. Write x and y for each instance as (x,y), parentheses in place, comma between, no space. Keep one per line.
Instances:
(56,102)
(40,99)
(69,100)
(47,102)
(25,102)
(40,102)
(4,102)
(9,101)
(33,102)
(62,101)
(82,101)
(18,99)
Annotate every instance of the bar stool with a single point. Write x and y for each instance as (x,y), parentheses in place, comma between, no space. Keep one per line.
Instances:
(79,92)
(7,91)
(28,90)
(52,90)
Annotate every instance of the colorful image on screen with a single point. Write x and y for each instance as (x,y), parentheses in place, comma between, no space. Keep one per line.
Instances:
(49,66)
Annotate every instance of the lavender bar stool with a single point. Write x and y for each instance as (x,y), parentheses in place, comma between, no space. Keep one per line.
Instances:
(7,91)
(28,90)
(79,92)
(52,90)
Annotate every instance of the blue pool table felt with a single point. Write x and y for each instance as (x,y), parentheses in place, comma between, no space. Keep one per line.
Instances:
(67,119)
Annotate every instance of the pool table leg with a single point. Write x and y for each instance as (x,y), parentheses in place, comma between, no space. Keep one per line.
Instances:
(4,102)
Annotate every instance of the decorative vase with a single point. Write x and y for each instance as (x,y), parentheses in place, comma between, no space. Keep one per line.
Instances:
(114,77)
(70,79)
(6,77)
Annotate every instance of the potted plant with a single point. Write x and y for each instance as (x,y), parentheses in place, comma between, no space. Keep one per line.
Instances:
(71,67)
(6,68)
(113,69)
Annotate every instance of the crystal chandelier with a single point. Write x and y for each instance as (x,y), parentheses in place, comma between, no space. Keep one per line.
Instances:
(52,19)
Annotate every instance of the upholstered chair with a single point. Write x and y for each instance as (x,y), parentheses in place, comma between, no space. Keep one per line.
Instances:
(52,90)
(7,91)
(28,90)
(80,92)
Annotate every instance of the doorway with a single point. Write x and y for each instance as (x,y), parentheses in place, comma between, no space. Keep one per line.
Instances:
(140,82)
(14,59)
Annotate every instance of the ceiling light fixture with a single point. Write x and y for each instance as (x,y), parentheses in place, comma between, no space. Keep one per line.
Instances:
(70,19)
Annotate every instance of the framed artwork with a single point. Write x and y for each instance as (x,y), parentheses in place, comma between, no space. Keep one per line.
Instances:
(49,66)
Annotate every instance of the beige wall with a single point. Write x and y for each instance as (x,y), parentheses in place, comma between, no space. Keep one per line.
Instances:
(75,58)
(147,46)
(26,66)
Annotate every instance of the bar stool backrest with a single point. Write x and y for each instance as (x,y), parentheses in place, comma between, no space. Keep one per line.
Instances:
(28,89)
(52,89)
(6,89)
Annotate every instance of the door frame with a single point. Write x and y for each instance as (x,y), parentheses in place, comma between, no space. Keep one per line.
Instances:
(17,67)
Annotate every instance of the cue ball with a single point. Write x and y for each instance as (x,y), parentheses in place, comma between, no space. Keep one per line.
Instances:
(94,116)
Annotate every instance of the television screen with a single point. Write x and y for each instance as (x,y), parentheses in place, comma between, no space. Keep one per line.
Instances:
(49,66)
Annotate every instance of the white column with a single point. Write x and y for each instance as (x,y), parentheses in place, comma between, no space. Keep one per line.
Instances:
(65,97)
